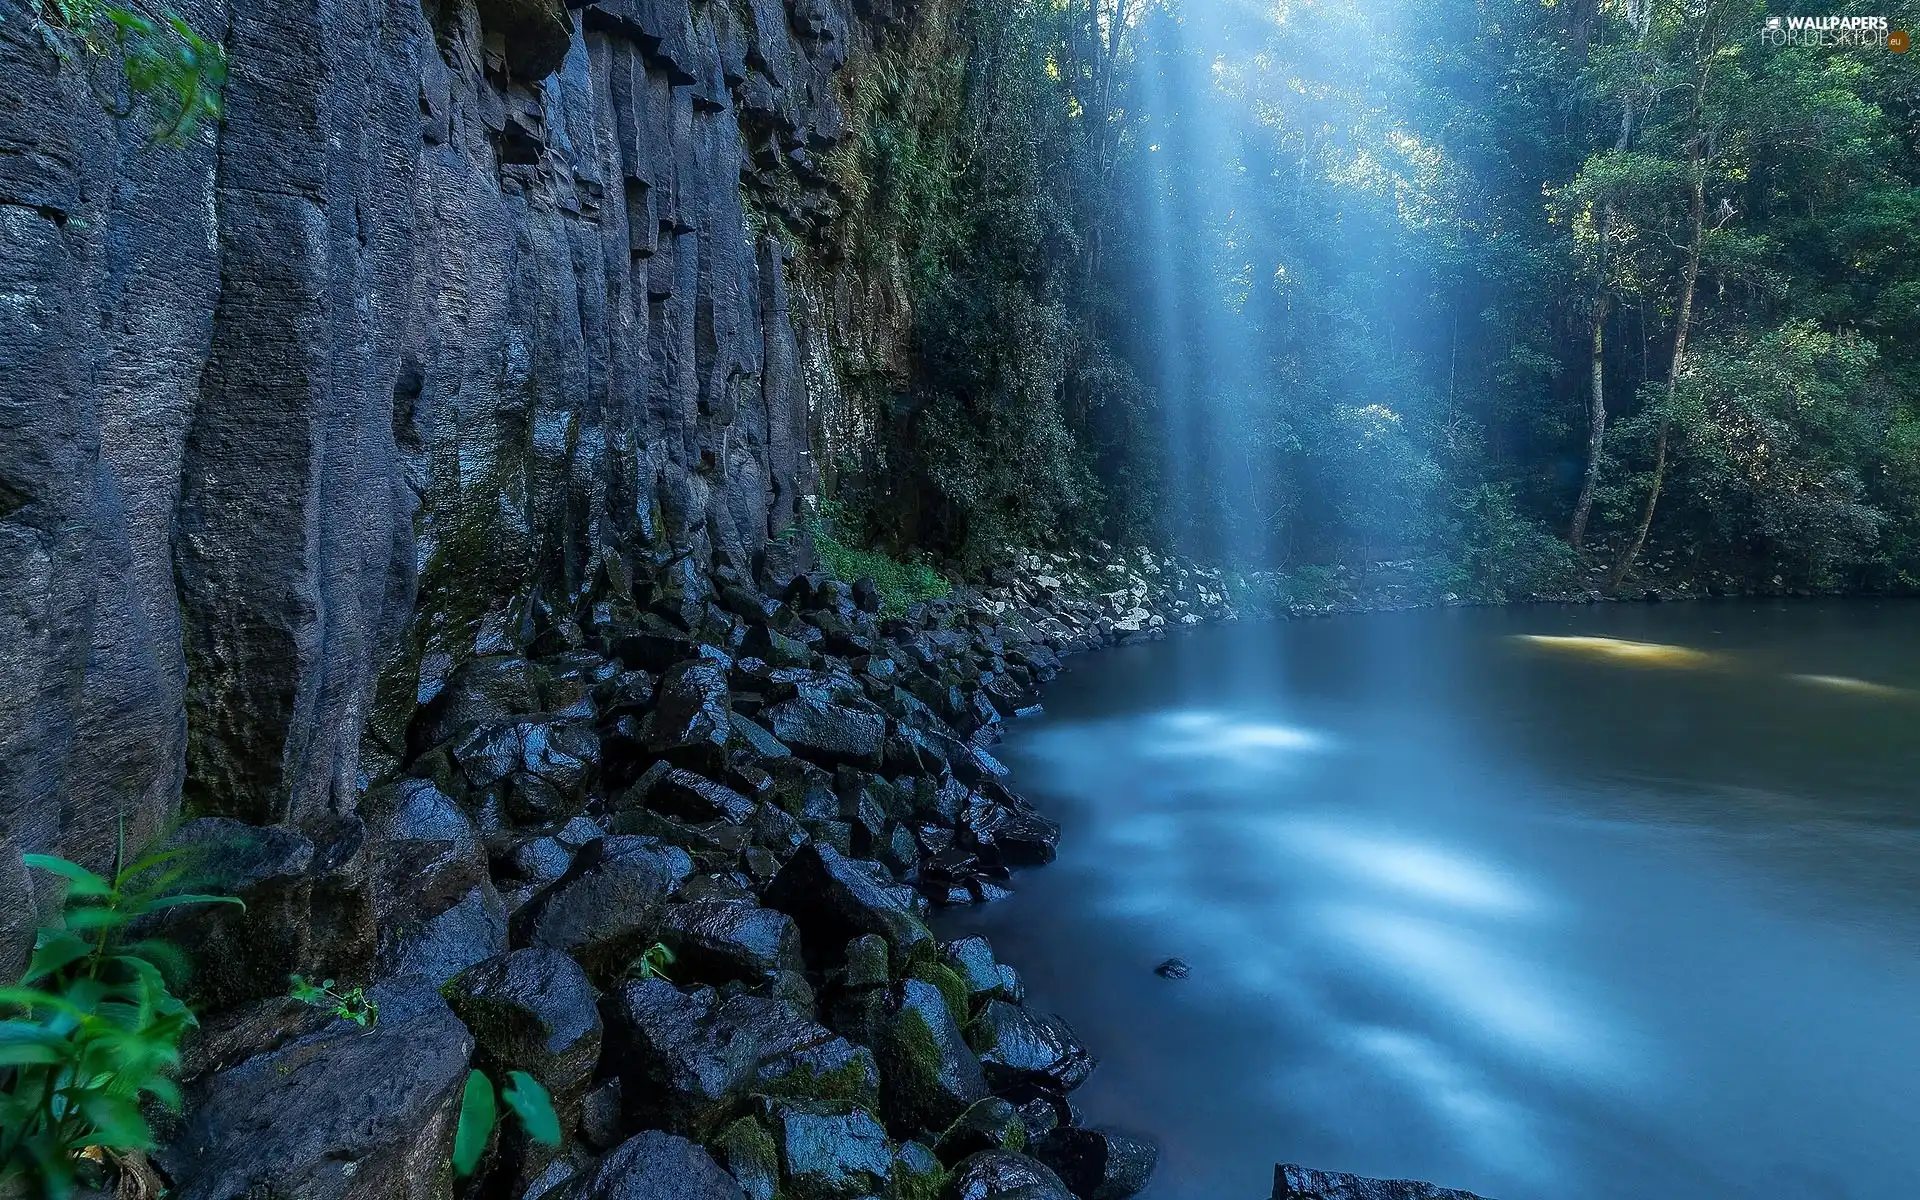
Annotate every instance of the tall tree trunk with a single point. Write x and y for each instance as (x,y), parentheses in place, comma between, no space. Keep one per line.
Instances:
(1696,219)
(1596,421)
(1641,19)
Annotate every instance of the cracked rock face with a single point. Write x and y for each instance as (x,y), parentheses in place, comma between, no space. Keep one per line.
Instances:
(454,306)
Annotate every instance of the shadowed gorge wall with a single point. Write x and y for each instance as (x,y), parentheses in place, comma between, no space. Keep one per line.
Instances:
(457,306)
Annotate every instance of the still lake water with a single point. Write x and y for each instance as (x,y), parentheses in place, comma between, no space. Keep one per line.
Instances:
(1544,919)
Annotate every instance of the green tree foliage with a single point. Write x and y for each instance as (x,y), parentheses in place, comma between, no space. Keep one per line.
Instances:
(1429,281)
(155,63)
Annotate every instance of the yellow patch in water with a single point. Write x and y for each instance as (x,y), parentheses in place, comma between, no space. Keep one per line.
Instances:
(1859,687)
(1639,654)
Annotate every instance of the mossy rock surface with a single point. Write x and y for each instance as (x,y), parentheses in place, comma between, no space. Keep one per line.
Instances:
(928,1076)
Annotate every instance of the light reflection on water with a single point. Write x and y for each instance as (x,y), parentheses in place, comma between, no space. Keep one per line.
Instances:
(1441,926)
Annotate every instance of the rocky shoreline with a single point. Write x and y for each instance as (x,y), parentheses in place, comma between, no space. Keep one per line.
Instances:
(778,790)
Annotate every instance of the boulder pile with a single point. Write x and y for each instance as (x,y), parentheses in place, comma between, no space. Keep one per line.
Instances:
(777,789)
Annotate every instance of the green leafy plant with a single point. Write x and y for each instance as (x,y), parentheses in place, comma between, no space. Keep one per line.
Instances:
(901,584)
(653,963)
(167,67)
(524,1097)
(92,1030)
(351,1005)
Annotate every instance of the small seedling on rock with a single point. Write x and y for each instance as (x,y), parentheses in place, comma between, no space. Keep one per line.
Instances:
(352,1005)
(653,964)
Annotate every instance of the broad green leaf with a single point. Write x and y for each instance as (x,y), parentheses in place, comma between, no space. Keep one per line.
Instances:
(117,1122)
(477,1116)
(180,898)
(53,950)
(534,1106)
(82,882)
(34,998)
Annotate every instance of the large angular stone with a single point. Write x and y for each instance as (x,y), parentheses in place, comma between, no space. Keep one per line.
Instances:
(833,899)
(1004,1175)
(533,1011)
(1097,1164)
(654,1166)
(691,717)
(718,940)
(341,1113)
(686,1059)
(1019,1046)
(827,732)
(928,1075)
(608,907)
(829,1150)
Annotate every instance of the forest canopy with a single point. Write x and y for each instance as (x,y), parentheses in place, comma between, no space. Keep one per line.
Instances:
(1529,295)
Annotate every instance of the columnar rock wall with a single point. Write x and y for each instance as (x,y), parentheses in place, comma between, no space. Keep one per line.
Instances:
(458,306)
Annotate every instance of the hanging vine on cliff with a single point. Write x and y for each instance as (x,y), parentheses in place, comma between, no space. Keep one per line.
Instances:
(156,61)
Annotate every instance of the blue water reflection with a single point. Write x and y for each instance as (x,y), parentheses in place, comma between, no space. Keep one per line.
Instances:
(1459,913)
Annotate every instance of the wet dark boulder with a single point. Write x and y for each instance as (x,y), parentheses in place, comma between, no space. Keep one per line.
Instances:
(990,1124)
(719,940)
(1004,1175)
(757,738)
(1097,1164)
(827,732)
(538,768)
(536,862)
(654,1166)
(971,958)
(437,949)
(1292,1182)
(829,1150)
(685,1059)
(1019,1046)
(691,719)
(681,793)
(1027,840)
(244,954)
(777,648)
(480,691)
(928,1074)
(340,1113)
(608,907)
(832,898)
(654,650)
(532,1011)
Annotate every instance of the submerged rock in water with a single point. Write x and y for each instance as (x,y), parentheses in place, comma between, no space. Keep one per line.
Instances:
(1292,1182)
(1173,968)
